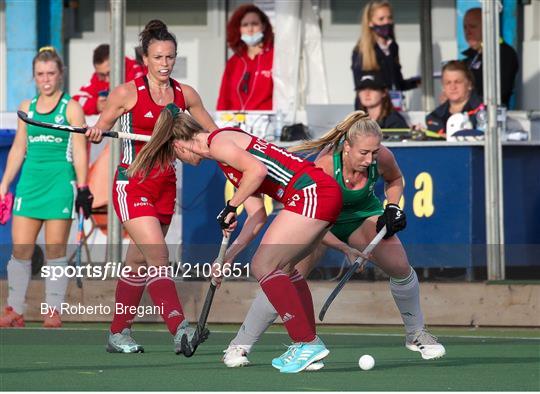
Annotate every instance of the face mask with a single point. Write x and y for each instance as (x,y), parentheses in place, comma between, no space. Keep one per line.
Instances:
(252,40)
(384,31)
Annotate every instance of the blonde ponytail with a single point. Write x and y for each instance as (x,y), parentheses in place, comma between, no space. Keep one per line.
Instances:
(344,130)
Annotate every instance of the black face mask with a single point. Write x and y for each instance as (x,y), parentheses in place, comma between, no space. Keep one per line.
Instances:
(384,31)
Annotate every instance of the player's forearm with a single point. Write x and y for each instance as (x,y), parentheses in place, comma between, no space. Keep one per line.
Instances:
(202,116)
(394,191)
(252,226)
(80,163)
(251,181)
(334,242)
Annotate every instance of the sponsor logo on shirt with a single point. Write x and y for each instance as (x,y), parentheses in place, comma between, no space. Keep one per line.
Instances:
(45,138)
(144,202)
(148,115)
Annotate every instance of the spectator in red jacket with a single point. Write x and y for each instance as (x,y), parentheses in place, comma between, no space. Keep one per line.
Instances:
(93,95)
(247,82)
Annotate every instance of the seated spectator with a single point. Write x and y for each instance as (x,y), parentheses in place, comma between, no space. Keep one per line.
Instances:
(458,88)
(374,99)
(377,51)
(509,64)
(247,82)
(93,96)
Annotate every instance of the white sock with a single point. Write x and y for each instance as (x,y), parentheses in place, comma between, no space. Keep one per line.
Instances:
(19,273)
(406,293)
(260,316)
(55,290)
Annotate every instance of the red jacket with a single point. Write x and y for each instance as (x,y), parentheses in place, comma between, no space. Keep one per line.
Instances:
(88,94)
(247,84)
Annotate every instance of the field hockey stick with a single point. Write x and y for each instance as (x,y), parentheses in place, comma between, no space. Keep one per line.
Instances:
(201,333)
(80,237)
(81,130)
(357,264)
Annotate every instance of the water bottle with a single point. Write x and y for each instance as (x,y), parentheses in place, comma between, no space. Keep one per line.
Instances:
(279,125)
(481,119)
(467,124)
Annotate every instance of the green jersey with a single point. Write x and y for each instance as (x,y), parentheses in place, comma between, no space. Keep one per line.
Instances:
(48,145)
(47,187)
(358,205)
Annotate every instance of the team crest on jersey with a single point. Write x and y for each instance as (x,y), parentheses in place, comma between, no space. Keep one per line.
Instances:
(30,114)
(59,119)
(291,202)
(148,115)
(280,192)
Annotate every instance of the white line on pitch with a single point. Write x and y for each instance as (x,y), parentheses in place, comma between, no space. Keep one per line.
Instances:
(358,334)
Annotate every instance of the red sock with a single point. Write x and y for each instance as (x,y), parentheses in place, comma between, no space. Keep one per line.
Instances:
(162,290)
(283,296)
(129,291)
(304,293)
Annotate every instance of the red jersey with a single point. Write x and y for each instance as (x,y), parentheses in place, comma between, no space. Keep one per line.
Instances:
(142,118)
(283,167)
(88,94)
(247,84)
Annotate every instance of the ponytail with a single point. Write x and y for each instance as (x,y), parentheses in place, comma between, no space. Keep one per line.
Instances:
(356,123)
(172,124)
(159,151)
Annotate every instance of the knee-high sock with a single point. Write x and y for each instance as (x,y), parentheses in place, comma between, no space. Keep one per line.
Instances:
(55,290)
(129,291)
(305,296)
(406,293)
(162,290)
(260,316)
(19,273)
(282,294)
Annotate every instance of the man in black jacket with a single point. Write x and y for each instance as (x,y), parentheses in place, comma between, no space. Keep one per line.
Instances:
(472,25)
